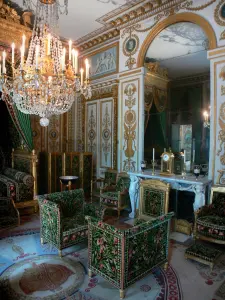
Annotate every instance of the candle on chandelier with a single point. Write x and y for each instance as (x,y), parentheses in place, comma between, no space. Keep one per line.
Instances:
(70,49)
(75,61)
(37,55)
(153,154)
(3,62)
(13,48)
(22,55)
(49,44)
(81,76)
(23,40)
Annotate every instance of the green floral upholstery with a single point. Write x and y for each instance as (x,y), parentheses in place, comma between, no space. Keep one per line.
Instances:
(116,197)
(16,184)
(123,256)
(108,180)
(153,202)
(62,216)
(210,220)
(9,215)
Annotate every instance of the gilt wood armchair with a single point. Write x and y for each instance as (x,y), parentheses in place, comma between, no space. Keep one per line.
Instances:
(116,197)
(210,219)
(62,217)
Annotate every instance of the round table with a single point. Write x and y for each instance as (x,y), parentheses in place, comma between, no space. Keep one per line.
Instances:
(67,181)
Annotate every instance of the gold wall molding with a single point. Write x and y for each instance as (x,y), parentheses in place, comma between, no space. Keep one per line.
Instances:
(130,126)
(217,52)
(181,17)
(103,90)
(217,14)
(127,73)
(115,91)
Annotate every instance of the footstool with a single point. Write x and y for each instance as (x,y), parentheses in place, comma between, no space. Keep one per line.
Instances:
(203,254)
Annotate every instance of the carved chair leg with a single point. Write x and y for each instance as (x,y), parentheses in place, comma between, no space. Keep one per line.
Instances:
(89,273)
(122,294)
(103,212)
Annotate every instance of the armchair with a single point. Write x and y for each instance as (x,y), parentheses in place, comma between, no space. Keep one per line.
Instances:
(154,199)
(62,217)
(108,180)
(20,181)
(210,219)
(123,254)
(116,197)
(9,215)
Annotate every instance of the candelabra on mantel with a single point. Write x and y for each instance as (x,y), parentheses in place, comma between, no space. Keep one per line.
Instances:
(44,85)
(206,122)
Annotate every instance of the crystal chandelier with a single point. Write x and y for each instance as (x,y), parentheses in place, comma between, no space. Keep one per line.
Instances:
(44,84)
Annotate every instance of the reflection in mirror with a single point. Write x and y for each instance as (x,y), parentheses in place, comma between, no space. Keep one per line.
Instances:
(177,92)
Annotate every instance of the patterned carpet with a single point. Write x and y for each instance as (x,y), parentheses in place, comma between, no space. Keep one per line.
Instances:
(32,271)
(20,249)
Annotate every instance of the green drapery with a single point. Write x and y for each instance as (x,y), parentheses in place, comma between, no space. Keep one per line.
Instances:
(155,120)
(22,124)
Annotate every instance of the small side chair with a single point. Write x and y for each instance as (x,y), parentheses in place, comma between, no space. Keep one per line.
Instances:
(116,197)
(210,219)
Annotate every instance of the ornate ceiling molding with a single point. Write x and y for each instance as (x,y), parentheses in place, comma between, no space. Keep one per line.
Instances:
(99,40)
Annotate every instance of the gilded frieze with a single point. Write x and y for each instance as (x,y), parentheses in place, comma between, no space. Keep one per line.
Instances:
(130,124)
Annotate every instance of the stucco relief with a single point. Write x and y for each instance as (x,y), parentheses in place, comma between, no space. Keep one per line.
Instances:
(130,124)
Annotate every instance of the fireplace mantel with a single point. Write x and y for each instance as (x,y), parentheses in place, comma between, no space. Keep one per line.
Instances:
(177,182)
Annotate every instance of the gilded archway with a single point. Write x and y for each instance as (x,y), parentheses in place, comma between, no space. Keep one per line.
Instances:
(182,17)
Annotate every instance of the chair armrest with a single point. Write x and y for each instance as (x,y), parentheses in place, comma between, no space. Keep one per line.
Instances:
(205,210)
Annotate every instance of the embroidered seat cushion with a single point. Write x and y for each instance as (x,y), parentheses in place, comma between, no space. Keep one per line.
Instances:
(73,222)
(109,198)
(212,226)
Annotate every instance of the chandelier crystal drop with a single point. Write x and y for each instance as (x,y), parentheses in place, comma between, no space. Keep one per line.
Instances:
(44,84)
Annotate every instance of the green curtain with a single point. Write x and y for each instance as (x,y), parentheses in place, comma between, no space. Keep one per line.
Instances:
(22,124)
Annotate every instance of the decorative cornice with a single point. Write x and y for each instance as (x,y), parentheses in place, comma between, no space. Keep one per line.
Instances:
(99,40)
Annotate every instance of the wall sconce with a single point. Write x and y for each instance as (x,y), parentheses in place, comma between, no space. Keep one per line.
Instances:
(206,122)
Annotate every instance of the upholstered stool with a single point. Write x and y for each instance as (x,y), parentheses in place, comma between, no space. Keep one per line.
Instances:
(203,254)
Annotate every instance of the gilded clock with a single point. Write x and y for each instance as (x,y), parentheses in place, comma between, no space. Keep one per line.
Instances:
(167,164)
